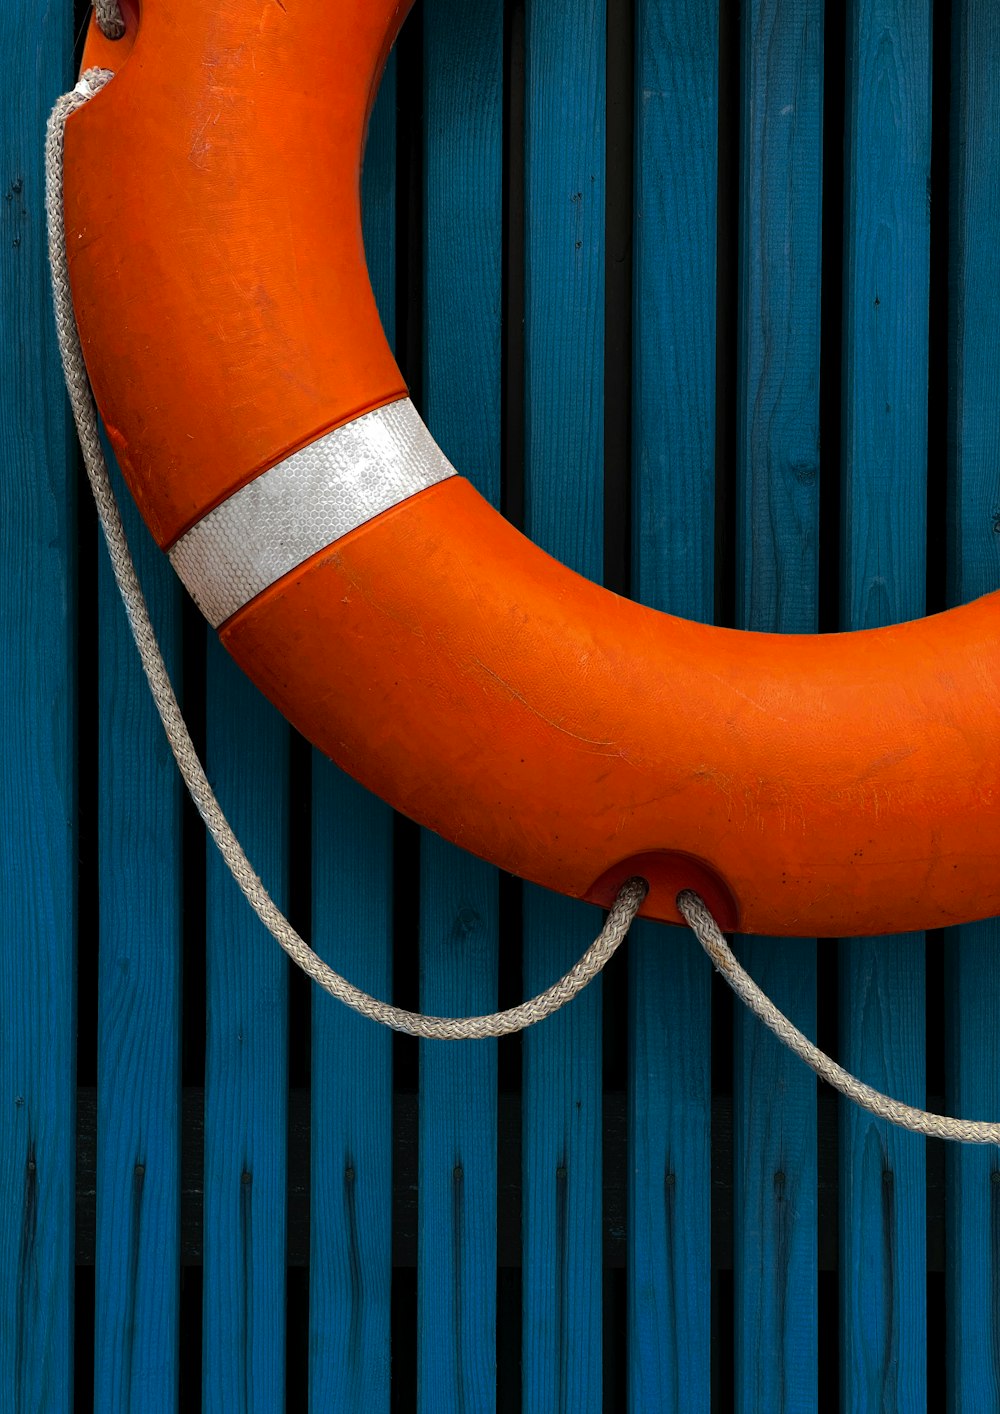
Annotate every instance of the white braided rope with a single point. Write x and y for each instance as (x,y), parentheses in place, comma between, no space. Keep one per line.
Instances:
(630,896)
(502,1023)
(109,18)
(709,934)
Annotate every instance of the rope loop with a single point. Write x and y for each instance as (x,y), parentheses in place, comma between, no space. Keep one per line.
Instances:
(109,19)
(632,892)
(709,934)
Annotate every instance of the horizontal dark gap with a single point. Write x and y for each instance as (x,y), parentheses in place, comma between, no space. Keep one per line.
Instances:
(509,1179)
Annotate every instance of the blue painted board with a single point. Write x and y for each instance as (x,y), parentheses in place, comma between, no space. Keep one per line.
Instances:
(137,1295)
(459,924)
(564,433)
(246,1059)
(883,1309)
(673,501)
(561,1365)
(457,1194)
(882,1180)
(777,505)
(972,977)
(38,790)
(350,1273)
(774,1189)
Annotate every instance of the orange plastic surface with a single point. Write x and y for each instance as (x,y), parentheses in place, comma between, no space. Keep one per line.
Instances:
(214,235)
(819,786)
(829,785)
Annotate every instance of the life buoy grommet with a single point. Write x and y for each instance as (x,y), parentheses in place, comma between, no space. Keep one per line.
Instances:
(834,785)
(669,873)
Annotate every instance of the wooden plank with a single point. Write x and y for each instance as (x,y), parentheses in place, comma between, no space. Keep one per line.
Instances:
(137,1294)
(972,976)
(459,924)
(564,433)
(350,1273)
(37,873)
(457,1185)
(246,1059)
(350,1245)
(883,559)
(883,1222)
(777,572)
(673,482)
(561,1366)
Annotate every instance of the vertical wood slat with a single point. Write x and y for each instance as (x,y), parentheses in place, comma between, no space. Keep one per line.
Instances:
(564,432)
(883,549)
(37,873)
(350,1257)
(137,1295)
(673,480)
(246,1060)
(972,978)
(459,897)
(774,1196)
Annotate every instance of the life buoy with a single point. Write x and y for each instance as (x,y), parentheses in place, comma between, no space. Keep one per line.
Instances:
(824,786)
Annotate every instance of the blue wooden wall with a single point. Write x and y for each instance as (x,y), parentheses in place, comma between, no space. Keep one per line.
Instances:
(705,296)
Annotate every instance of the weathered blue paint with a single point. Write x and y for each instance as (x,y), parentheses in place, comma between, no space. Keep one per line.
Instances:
(246,1060)
(459,925)
(457,1225)
(38,789)
(350,1273)
(883,1309)
(882,1312)
(972,976)
(777,500)
(564,436)
(673,540)
(137,1292)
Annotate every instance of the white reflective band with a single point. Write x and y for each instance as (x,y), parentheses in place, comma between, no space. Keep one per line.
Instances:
(305,503)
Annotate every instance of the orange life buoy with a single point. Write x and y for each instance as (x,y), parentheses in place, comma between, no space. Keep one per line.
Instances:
(824,786)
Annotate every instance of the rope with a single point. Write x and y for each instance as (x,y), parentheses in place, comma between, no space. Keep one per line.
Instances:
(502,1023)
(709,934)
(109,18)
(632,892)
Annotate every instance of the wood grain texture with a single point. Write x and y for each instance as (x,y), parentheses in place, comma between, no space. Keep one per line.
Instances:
(459,923)
(350,1244)
(669,1172)
(457,1219)
(562,1113)
(886,263)
(781,218)
(246,1060)
(673,488)
(350,1269)
(137,1295)
(972,975)
(774,1189)
(882,1182)
(883,576)
(564,434)
(37,872)
(674,313)
(776,583)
